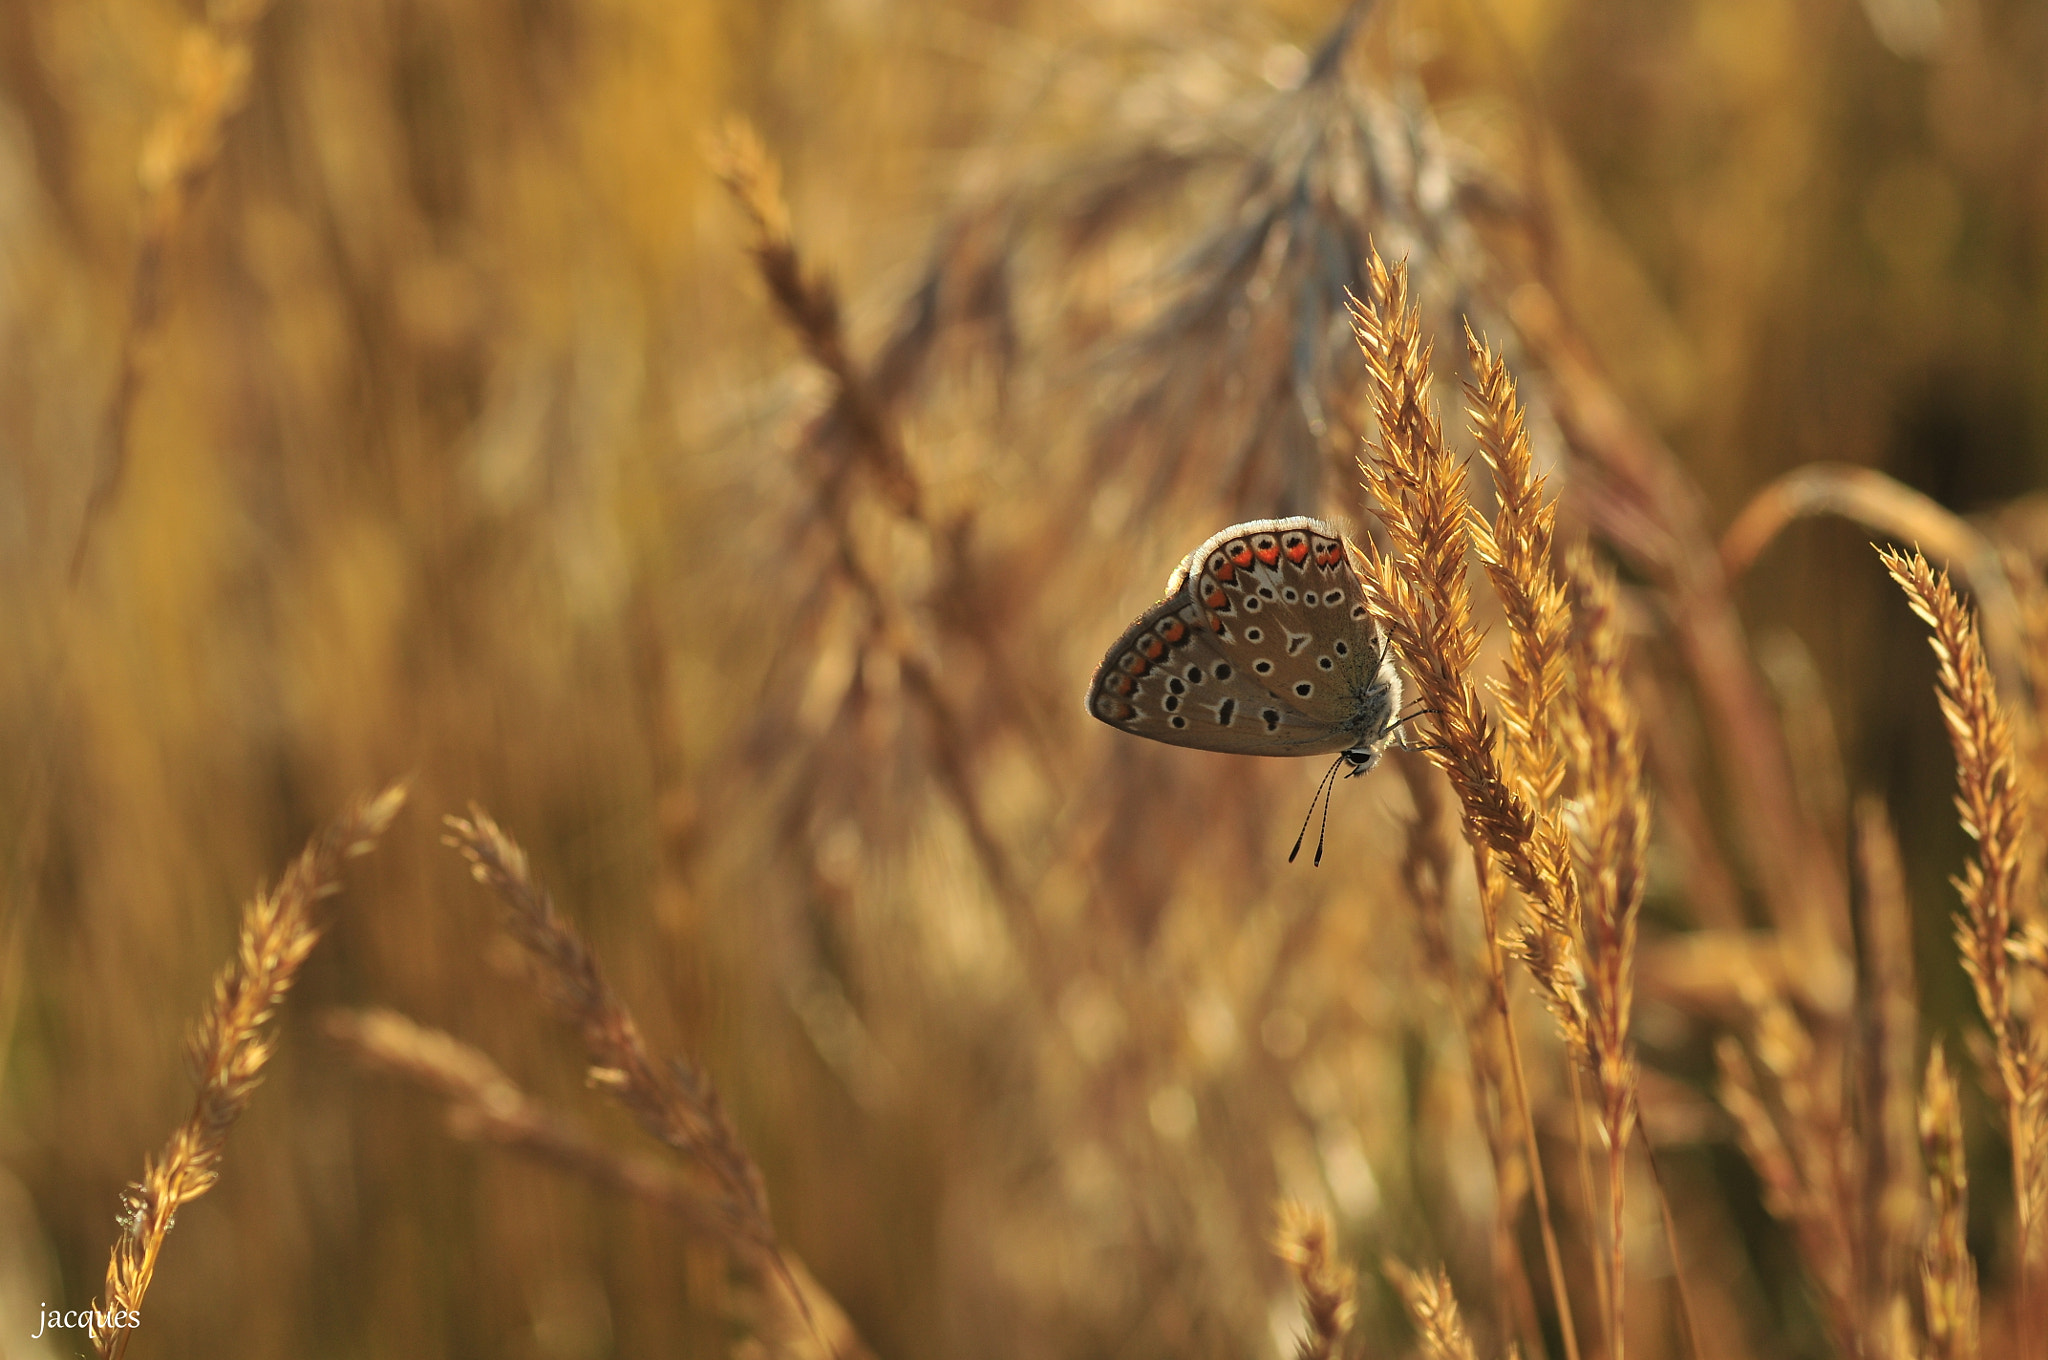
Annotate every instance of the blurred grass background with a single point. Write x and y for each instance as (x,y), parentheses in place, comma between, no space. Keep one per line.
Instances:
(468,444)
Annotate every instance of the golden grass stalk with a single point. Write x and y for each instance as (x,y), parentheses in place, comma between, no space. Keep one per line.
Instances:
(1421,598)
(1993,808)
(1948,1277)
(228,1050)
(674,1102)
(485,1105)
(178,156)
(1433,1308)
(1307,1244)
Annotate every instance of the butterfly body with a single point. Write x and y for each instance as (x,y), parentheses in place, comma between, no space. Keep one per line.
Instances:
(1262,646)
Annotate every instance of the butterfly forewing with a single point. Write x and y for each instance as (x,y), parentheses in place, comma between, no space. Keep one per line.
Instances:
(1262,647)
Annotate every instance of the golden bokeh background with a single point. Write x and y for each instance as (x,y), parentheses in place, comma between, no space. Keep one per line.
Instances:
(466,443)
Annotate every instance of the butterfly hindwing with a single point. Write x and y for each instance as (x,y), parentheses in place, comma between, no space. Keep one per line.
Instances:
(1261,647)
(1166,679)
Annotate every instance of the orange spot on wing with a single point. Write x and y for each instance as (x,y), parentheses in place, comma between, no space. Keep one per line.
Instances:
(1296,553)
(1225,572)
(1152,647)
(1173,630)
(1215,598)
(1241,553)
(1269,556)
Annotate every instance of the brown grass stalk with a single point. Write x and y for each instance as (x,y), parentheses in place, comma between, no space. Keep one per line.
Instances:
(229,1050)
(859,427)
(1609,768)
(1637,496)
(1421,598)
(485,1105)
(810,304)
(1425,874)
(1433,1308)
(1888,1030)
(1948,1277)
(178,157)
(1993,809)
(1884,505)
(1304,1240)
(674,1102)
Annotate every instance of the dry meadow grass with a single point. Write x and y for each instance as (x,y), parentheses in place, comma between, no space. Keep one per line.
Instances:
(700,450)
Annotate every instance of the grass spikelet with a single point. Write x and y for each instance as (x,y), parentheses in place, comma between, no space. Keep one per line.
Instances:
(1518,551)
(1993,810)
(1304,1240)
(228,1051)
(1433,1308)
(1948,1277)
(1420,596)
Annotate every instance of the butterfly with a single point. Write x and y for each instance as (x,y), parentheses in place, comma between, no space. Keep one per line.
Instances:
(1263,646)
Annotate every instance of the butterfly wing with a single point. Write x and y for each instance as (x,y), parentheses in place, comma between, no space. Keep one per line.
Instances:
(1255,650)
(1166,680)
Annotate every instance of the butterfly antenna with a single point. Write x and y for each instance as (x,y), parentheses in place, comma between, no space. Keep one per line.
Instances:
(1322,785)
(1324,829)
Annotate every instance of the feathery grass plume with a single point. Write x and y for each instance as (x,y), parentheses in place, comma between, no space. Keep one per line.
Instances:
(1948,1277)
(673,1102)
(1993,808)
(1615,828)
(1304,1240)
(1420,597)
(178,156)
(228,1051)
(1433,1308)
(485,1105)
